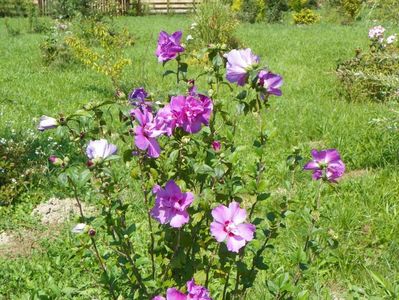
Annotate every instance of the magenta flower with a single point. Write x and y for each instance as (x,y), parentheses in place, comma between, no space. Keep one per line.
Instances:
(171,205)
(100,149)
(172,294)
(194,292)
(168,46)
(197,292)
(190,112)
(239,63)
(146,133)
(216,145)
(47,123)
(270,83)
(228,225)
(326,164)
(165,120)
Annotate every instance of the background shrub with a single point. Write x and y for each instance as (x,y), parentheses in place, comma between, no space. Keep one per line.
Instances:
(305,17)
(214,23)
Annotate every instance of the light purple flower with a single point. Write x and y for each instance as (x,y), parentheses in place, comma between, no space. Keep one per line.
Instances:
(146,133)
(190,112)
(376,32)
(326,164)
(171,205)
(168,46)
(47,123)
(165,120)
(228,225)
(159,297)
(197,292)
(216,145)
(239,63)
(100,149)
(270,83)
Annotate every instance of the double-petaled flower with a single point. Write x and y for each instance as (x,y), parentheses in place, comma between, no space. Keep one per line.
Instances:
(171,205)
(326,165)
(229,225)
(190,112)
(168,46)
(194,292)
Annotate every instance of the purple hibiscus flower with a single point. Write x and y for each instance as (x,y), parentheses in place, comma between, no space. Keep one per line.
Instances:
(228,225)
(165,120)
(168,46)
(270,83)
(194,292)
(197,292)
(326,164)
(47,123)
(171,205)
(239,63)
(191,111)
(137,98)
(146,133)
(172,294)
(100,149)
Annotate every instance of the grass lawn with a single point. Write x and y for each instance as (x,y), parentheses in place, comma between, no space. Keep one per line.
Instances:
(362,210)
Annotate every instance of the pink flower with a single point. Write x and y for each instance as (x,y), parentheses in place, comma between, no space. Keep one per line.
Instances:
(326,164)
(172,294)
(165,120)
(197,292)
(228,225)
(146,133)
(171,205)
(191,111)
(194,292)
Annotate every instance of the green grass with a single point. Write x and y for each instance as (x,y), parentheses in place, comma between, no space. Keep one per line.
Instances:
(362,209)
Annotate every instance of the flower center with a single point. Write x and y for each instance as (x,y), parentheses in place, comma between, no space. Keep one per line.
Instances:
(230,228)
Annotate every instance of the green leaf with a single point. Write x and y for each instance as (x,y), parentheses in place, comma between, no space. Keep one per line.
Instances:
(263,196)
(168,72)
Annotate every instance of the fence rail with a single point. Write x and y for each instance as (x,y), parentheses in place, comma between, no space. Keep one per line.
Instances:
(122,7)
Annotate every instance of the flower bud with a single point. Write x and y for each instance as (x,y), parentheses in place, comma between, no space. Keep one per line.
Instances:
(90,163)
(216,145)
(92,232)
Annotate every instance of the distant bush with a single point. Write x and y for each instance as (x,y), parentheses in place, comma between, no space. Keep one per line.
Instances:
(214,23)
(305,17)
(384,10)
(275,10)
(14,8)
(54,49)
(372,74)
(22,163)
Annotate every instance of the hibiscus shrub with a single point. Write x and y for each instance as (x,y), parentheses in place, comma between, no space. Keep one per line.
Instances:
(372,74)
(191,226)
